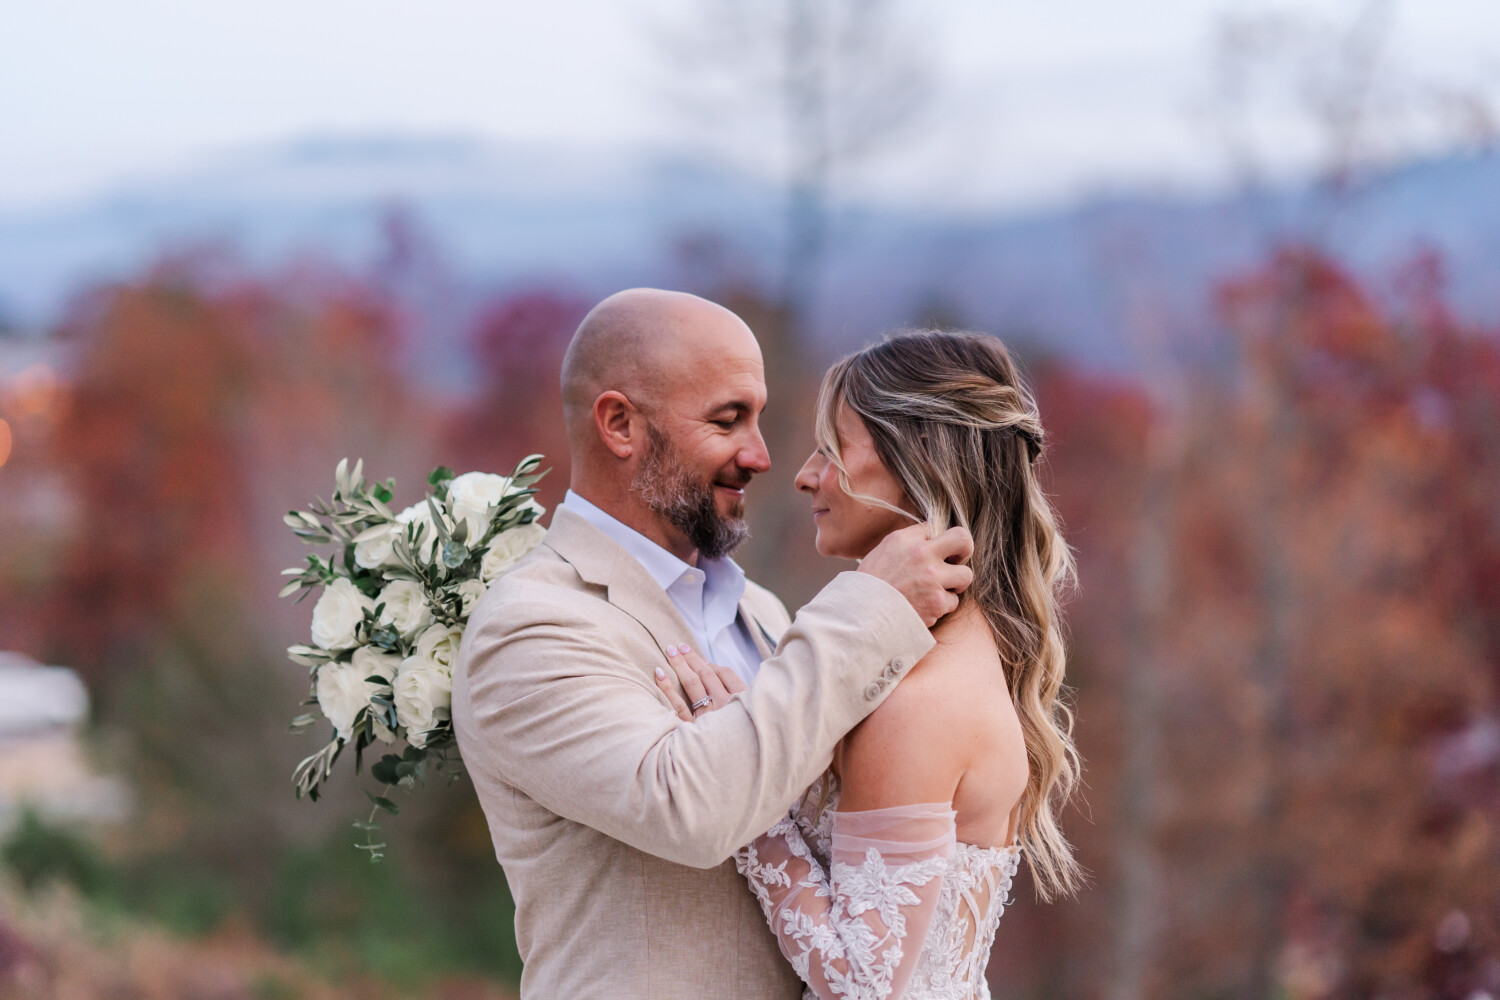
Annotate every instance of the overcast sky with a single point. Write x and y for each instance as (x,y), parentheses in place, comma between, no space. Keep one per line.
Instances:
(1040,98)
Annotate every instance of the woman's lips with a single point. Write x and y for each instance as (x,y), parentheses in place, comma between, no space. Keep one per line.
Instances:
(819,512)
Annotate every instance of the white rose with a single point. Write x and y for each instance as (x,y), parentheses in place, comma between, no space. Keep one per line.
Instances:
(472,497)
(508,547)
(342,691)
(337,612)
(420,513)
(405,606)
(471,591)
(374,662)
(373,547)
(424,696)
(440,645)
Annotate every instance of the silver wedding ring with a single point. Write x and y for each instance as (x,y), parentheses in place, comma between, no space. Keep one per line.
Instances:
(704,702)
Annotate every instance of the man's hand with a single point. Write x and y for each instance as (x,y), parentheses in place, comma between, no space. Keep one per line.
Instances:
(929,573)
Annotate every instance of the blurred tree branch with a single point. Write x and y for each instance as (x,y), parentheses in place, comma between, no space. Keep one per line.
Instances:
(1357,105)
(811,88)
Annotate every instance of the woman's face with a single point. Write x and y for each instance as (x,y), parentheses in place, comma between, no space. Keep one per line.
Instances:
(847,527)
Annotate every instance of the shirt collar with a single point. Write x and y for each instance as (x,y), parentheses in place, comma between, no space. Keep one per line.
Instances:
(721,576)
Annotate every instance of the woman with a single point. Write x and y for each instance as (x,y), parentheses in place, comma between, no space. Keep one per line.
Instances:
(889,878)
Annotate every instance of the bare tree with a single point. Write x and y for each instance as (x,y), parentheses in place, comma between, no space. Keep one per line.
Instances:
(1356,105)
(813,89)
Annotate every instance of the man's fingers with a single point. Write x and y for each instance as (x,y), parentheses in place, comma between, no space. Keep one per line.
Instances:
(669,688)
(940,604)
(955,544)
(956,579)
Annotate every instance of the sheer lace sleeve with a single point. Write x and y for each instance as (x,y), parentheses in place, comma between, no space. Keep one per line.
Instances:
(855,931)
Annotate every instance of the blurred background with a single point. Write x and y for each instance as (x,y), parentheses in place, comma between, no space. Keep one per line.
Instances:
(1248,250)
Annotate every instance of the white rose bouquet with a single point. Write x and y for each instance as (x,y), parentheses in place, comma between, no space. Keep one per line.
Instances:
(396,595)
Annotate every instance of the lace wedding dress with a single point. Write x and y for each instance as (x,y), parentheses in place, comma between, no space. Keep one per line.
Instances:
(881,904)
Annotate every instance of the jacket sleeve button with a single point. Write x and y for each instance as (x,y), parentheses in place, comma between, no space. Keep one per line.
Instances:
(873,691)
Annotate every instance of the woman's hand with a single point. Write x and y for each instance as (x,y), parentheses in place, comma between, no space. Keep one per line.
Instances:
(708,687)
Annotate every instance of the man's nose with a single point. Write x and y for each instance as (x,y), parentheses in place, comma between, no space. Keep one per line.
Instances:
(755,456)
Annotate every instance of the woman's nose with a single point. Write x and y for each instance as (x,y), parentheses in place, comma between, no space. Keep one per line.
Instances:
(807,476)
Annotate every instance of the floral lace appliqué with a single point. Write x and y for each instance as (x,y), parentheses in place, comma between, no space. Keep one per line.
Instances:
(898,910)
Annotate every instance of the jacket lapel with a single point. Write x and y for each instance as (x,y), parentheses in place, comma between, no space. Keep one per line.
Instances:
(603,563)
(765,642)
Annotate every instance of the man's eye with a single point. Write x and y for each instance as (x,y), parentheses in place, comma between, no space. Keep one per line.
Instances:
(725,424)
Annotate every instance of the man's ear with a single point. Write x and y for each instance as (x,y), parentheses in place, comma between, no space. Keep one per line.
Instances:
(619,423)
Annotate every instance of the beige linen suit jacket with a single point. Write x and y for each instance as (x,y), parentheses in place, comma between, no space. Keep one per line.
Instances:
(614,820)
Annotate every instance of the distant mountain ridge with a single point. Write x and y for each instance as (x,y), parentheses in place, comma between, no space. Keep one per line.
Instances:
(1096,281)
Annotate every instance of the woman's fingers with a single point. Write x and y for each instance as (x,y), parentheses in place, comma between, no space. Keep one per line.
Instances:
(674,698)
(708,675)
(733,682)
(705,686)
(692,683)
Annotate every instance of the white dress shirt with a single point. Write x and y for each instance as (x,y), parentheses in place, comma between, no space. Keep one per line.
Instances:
(707,596)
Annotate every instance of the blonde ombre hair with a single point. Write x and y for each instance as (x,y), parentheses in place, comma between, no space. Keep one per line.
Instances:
(958,428)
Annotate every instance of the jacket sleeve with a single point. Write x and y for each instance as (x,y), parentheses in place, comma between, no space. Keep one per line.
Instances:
(550,704)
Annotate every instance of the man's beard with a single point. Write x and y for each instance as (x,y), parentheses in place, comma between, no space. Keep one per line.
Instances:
(688,504)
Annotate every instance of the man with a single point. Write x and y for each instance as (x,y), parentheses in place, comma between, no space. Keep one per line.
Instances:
(614,822)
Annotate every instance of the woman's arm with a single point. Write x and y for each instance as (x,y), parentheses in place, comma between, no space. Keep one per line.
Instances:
(856,929)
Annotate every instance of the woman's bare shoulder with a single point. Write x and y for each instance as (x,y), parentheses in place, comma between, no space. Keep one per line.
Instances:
(917,745)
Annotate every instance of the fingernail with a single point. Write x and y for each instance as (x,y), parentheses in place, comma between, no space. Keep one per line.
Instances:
(661,674)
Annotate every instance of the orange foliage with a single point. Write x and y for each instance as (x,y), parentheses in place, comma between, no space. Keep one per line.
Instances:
(1286,643)
(183,396)
(518,345)
(1327,639)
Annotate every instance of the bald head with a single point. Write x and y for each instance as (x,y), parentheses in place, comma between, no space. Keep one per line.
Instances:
(663,394)
(642,342)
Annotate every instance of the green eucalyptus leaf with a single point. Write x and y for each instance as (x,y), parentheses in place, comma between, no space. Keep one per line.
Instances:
(381,802)
(455,554)
(437,519)
(384,769)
